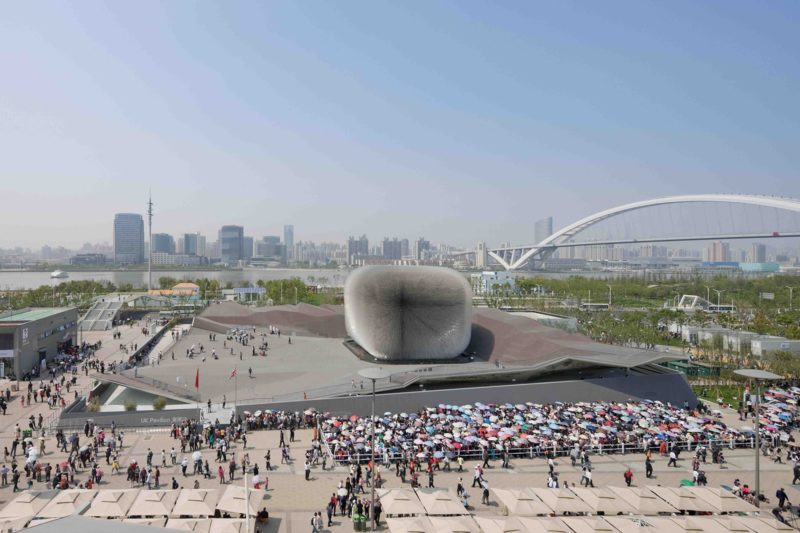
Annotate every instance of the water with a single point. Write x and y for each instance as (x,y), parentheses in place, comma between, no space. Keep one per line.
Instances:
(15,280)
(32,280)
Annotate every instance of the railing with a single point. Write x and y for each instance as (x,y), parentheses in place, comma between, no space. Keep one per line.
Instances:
(160,385)
(558,451)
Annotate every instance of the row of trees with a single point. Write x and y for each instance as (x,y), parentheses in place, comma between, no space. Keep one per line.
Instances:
(744,292)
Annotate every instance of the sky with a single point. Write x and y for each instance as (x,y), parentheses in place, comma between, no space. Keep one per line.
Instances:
(458,121)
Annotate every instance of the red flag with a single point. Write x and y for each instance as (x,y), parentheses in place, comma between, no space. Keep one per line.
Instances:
(197,379)
(233,374)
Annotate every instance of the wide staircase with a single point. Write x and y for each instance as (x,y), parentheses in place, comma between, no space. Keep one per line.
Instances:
(101,315)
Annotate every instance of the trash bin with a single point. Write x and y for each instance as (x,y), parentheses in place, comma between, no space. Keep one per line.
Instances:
(359,522)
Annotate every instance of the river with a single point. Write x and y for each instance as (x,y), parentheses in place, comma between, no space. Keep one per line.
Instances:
(20,280)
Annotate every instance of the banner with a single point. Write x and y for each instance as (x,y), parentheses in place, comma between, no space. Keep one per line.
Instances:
(767,295)
(6,354)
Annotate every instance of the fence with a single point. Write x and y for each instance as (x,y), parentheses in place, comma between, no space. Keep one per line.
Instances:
(532,452)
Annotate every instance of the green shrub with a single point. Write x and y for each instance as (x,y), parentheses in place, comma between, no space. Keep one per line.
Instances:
(93,406)
(159,403)
(130,405)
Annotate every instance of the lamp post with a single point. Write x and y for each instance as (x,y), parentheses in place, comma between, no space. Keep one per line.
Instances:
(758,376)
(719,293)
(373,374)
(609,295)
(791,290)
(708,293)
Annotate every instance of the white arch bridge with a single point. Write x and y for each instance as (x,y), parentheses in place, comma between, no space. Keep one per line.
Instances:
(699,217)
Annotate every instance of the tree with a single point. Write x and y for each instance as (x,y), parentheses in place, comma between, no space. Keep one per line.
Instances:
(784,363)
(167,282)
(761,323)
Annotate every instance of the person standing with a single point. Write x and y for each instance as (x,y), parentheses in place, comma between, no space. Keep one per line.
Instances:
(628,475)
(648,468)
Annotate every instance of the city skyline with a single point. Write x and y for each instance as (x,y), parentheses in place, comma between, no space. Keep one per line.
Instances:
(331,118)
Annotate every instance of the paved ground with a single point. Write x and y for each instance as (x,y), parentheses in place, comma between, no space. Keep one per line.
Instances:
(291,500)
(306,364)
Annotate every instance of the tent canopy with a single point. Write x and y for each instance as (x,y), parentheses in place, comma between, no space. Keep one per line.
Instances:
(112,503)
(233,501)
(603,500)
(27,504)
(521,502)
(410,524)
(643,500)
(67,502)
(196,503)
(400,502)
(562,501)
(440,502)
(153,503)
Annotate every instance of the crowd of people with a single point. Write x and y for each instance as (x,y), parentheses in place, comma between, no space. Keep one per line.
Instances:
(530,430)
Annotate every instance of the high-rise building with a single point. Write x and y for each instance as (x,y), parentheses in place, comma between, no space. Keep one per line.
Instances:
(271,249)
(404,248)
(128,239)
(288,240)
(163,243)
(392,249)
(481,257)
(719,252)
(542,229)
(758,253)
(357,247)
(420,247)
(193,244)
(247,248)
(231,244)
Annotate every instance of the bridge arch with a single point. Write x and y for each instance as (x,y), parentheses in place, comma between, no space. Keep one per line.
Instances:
(789,204)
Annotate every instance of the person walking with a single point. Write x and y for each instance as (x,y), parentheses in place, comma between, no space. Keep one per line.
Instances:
(476,480)
(628,475)
(673,459)
(648,468)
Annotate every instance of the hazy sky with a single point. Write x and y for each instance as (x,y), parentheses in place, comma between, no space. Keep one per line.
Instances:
(460,121)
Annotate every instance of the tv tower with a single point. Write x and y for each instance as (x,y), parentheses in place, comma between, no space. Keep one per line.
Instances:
(150,240)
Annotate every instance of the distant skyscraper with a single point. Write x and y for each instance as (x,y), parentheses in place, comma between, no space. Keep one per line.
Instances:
(357,247)
(128,239)
(420,247)
(404,248)
(480,255)
(247,248)
(392,249)
(231,244)
(288,240)
(270,248)
(542,229)
(719,252)
(758,253)
(163,243)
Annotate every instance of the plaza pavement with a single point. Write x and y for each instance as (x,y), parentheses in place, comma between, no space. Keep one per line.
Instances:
(291,500)
(288,370)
